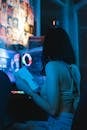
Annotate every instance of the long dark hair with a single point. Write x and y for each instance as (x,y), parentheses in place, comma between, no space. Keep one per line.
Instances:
(57,46)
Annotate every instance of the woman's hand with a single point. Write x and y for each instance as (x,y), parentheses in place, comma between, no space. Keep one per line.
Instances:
(23,85)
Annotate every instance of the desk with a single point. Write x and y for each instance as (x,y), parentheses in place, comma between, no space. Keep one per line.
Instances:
(21,108)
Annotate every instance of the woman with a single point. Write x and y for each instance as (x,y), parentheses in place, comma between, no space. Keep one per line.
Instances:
(61,88)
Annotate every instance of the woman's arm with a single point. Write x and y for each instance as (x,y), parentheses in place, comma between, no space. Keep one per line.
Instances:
(51,99)
(50,103)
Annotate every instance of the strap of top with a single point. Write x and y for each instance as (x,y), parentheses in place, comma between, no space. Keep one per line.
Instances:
(76,88)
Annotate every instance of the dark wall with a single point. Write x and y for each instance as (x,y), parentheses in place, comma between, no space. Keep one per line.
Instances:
(49,12)
(82,31)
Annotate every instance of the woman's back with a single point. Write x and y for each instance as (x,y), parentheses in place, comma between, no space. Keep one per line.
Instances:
(63,80)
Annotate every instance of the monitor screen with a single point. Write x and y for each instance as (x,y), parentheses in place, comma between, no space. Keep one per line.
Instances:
(12,60)
(9,62)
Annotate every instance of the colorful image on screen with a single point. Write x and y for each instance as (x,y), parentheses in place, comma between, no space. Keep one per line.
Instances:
(16,22)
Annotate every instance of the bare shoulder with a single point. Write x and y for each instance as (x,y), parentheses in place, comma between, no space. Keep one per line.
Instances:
(53,64)
(55,67)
